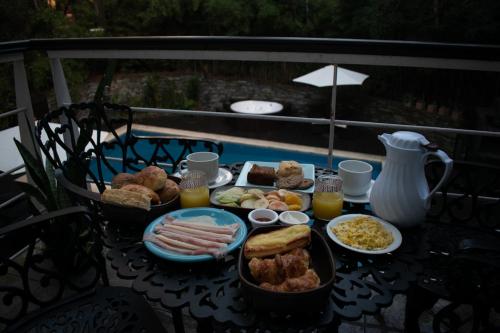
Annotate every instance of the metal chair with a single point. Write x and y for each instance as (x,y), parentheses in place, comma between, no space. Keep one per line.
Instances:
(120,153)
(78,148)
(461,256)
(58,281)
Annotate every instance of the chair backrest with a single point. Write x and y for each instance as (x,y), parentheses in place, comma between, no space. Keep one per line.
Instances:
(74,149)
(91,155)
(60,256)
(470,197)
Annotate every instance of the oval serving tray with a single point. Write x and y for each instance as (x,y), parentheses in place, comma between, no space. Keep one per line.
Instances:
(306,198)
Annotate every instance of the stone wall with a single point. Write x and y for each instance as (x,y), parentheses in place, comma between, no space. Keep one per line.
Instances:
(217,94)
(299,100)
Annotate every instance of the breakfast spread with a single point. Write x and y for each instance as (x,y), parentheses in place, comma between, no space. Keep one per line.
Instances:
(194,236)
(280,200)
(288,176)
(150,186)
(287,267)
(363,232)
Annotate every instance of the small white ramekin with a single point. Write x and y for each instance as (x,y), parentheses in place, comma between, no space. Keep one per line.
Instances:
(262,213)
(293,217)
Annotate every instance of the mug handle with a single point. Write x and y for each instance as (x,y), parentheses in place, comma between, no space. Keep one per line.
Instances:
(448,164)
(183,168)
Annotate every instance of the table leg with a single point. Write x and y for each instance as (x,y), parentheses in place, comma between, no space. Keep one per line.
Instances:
(177,319)
(205,326)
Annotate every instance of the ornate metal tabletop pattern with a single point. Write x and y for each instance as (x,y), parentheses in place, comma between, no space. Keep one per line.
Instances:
(212,290)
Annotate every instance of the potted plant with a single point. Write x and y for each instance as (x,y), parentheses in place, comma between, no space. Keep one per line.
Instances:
(61,238)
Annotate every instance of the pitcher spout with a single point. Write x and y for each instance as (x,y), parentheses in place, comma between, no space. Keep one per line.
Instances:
(384,138)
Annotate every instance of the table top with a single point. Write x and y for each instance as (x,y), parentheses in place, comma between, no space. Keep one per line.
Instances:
(256,107)
(211,290)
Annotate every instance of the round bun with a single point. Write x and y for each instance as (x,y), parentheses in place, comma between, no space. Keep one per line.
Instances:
(123,179)
(169,191)
(153,177)
(155,199)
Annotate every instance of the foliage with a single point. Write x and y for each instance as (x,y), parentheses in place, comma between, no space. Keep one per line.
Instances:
(61,235)
(426,20)
(164,93)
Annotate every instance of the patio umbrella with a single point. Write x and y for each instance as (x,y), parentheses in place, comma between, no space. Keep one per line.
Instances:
(325,77)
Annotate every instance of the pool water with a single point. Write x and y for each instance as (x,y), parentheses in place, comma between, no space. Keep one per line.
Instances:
(234,152)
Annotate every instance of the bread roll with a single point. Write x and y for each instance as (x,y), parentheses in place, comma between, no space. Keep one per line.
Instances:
(153,177)
(289,168)
(289,182)
(169,191)
(123,179)
(277,242)
(155,199)
(126,198)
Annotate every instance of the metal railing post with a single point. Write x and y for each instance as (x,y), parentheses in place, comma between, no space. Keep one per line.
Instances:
(333,109)
(62,96)
(25,120)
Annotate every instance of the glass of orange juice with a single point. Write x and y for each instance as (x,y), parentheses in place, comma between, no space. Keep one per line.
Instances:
(328,197)
(194,190)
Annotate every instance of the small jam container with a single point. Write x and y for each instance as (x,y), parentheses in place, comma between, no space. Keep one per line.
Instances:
(262,217)
(292,217)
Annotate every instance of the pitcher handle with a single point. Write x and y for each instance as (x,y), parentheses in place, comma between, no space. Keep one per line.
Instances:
(448,164)
(182,167)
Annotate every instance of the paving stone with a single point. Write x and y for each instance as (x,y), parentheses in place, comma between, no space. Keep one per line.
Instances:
(394,316)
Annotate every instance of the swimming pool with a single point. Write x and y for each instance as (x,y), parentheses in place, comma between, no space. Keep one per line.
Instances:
(237,152)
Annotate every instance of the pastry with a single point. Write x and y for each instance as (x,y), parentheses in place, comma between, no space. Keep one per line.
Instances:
(155,199)
(306,183)
(288,168)
(153,177)
(293,264)
(126,198)
(169,191)
(277,242)
(261,175)
(309,280)
(289,182)
(123,179)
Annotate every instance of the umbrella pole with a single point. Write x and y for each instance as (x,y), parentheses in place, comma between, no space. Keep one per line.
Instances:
(333,108)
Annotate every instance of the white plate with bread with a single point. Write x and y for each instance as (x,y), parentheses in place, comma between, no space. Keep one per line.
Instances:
(285,167)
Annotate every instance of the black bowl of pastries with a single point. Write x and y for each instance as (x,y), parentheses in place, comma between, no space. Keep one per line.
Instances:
(140,197)
(286,269)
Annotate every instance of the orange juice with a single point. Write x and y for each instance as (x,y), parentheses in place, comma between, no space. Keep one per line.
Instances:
(327,205)
(195,197)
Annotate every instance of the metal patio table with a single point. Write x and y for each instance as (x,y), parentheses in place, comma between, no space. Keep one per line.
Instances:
(364,284)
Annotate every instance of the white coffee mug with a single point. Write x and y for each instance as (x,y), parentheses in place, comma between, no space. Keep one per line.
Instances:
(356,176)
(204,161)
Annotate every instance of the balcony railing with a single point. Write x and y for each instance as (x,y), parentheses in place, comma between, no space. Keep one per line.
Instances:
(301,50)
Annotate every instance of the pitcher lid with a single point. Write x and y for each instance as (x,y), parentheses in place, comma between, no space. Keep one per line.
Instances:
(407,140)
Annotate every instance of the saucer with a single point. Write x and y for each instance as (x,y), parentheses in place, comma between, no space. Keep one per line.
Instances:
(361,199)
(223,178)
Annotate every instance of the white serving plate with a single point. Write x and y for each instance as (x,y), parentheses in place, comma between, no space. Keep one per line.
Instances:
(392,229)
(242,179)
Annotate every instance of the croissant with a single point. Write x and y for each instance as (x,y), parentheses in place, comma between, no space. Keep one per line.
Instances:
(276,270)
(309,280)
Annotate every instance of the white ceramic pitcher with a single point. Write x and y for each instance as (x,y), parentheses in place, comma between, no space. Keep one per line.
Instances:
(400,194)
